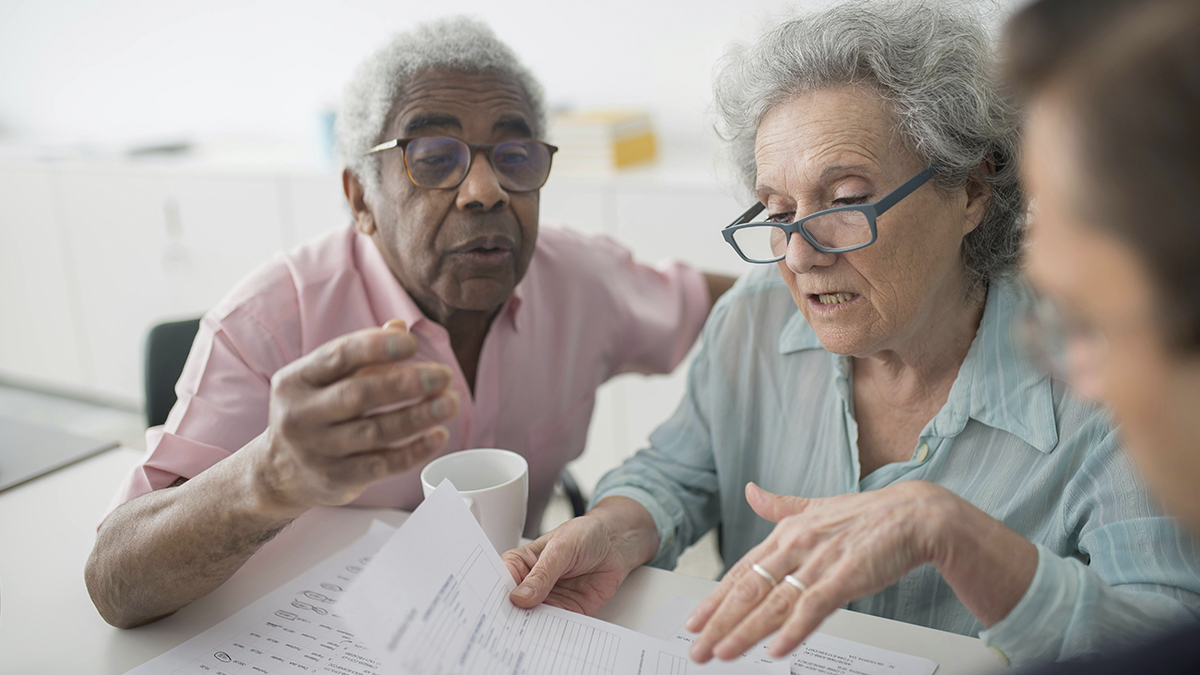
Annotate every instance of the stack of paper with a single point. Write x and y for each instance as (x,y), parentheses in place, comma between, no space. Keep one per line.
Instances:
(429,604)
(601,140)
(432,598)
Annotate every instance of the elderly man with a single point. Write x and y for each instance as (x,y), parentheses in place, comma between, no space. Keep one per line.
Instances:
(494,335)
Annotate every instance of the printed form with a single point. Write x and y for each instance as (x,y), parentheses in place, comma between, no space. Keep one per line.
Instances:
(819,654)
(294,630)
(434,600)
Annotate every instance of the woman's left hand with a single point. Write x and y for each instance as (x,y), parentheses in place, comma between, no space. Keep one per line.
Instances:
(850,546)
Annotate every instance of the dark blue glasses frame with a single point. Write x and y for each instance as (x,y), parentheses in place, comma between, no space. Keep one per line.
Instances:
(871,211)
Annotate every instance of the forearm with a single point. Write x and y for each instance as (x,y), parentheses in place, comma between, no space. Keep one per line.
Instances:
(168,548)
(681,498)
(988,565)
(1069,610)
(631,525)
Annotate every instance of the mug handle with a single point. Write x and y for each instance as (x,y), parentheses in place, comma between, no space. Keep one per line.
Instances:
(473,506)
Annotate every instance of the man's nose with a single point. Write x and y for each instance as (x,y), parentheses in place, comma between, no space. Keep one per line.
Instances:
(802,257)
(481,188)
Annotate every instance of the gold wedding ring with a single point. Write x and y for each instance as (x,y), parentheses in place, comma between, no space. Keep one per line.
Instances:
(758,569)
(795,582)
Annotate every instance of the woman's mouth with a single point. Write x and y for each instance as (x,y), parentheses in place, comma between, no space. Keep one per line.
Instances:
(834,298)
(828,302)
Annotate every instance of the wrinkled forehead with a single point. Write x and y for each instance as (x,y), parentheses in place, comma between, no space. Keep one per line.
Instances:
(488,104)
(845,125)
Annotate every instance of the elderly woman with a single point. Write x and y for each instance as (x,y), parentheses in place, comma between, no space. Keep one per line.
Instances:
(1113,137)
(933,474)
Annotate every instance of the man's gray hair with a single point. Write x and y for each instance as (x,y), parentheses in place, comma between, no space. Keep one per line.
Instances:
(456,44)
(933,63)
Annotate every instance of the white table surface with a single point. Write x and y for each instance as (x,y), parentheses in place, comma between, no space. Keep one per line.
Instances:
(48,623)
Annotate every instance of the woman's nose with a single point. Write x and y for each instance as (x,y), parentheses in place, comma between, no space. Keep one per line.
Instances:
(802,257)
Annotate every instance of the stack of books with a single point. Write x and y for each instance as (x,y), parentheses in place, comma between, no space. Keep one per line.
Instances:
(599,141)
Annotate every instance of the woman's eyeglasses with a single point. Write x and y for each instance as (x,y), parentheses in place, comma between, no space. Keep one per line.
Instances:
(836,230)
(443,162)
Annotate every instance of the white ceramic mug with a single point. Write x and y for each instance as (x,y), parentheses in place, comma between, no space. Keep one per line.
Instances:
(495,485)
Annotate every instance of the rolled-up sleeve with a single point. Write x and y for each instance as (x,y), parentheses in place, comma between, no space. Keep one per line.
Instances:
(222,402)
(1136,575)
(675,478)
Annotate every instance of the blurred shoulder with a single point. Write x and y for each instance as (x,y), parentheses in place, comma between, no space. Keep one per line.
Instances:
(757,308)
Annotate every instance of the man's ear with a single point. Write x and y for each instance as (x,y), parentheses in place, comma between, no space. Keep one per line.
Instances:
(979,196)
(364,220)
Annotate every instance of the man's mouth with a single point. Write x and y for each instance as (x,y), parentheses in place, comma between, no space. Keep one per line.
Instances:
(489,249)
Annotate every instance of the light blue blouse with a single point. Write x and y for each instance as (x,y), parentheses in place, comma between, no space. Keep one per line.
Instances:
(766,403)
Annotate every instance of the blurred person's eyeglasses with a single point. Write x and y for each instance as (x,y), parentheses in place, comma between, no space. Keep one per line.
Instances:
(443,162)
(1063,345)
(836,230)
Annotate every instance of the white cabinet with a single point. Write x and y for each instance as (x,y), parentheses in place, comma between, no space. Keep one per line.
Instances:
(681,222)
(38,327)
(313,204)
(146,246)
(581,206)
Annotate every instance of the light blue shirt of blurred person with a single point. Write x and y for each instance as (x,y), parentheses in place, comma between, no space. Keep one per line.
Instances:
(766,403)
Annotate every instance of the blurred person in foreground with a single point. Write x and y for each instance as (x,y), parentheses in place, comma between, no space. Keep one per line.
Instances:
(1112,162)
(913,461)
(495,332)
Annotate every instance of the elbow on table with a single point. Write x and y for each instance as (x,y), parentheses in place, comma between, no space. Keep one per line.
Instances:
(114,606)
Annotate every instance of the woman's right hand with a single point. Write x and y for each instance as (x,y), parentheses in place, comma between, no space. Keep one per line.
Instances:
(579,565)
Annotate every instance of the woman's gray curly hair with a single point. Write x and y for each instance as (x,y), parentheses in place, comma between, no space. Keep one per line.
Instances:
(456,44)
(935,65)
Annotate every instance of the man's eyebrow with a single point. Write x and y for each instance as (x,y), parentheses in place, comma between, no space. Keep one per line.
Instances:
(427,120)
(513,123)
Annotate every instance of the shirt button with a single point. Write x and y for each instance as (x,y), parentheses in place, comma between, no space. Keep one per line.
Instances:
(922,452)
(999,655)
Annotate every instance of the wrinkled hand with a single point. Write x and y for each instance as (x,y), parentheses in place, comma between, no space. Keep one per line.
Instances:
(579,565)
(334,428)
(840,548)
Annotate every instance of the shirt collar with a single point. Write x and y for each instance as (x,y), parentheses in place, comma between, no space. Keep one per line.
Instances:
(797,335)
(997,385)
(390,300)
(512,308)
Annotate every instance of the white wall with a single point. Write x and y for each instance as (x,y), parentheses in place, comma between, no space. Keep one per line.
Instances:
(118,70)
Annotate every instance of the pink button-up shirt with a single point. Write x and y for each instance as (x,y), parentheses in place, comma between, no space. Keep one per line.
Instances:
(584,312)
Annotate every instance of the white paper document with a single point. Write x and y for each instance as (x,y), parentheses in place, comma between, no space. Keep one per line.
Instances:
(820,654)
(434,600)
(296,629)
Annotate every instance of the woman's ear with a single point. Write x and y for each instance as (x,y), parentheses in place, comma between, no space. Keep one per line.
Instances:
(364,220)
(979,195)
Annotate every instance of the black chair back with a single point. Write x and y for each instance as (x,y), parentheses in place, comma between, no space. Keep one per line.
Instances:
(167,348)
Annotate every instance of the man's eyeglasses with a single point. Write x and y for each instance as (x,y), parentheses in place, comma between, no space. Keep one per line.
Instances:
(1062,345)
(443,162)
(836,230)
